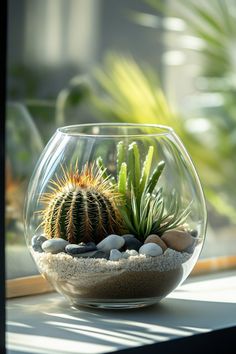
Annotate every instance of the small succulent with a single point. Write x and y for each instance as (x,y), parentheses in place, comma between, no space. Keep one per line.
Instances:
(145,209)
(81,207)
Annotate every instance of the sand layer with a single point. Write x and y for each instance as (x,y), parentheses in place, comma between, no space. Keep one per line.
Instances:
(124,285)
(132,278)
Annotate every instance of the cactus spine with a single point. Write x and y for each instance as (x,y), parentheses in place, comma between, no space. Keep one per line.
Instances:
(81,207)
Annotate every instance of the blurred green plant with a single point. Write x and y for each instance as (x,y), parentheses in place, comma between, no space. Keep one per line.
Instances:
(76,92)
(213,24)
(23,147)
(129,93)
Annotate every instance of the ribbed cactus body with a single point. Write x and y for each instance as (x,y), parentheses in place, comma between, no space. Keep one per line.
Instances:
(81,208)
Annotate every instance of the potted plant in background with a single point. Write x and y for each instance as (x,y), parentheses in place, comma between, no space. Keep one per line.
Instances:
(23,147)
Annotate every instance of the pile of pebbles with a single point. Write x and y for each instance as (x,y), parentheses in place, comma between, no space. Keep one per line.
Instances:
(115,248)
(119,267)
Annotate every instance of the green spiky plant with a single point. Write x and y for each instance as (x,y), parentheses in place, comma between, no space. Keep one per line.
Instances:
(131,93)
(144,209)
(81,207)
(212,25)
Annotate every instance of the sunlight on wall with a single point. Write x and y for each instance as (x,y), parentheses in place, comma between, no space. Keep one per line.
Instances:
(58,32)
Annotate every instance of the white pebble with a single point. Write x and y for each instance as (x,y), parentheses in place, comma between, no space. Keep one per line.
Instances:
(115,255)
(125,255)
(129,253)
(132,253)
(151,249)
(111,242)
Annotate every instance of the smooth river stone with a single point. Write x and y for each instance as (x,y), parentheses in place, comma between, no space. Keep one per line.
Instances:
(131,242)
(101,254)
(37,242)
(129,253)
(91,244)
(194,233)
(156,239)
(54,245)
(178,240)
(151,249)
(115,255)
(74,249)
(111,242)
(89,254)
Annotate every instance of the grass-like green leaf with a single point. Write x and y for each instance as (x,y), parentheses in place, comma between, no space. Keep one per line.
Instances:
(128,222)
(122,179)
(101,166)
(120,154)
(155,177)
(105,175)
(134,166)
(131,164)
(146,169)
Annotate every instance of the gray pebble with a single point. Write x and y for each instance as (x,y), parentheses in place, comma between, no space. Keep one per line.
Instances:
(128,236)
(37,242)
(37,248)
(85,254)
(115,255)
(125,255)
(131,242)
(38,239)
(101,254)
(151,249)
(111,242)
(130,253)
(194,233)
(74,249)
(54,245)
(90,244)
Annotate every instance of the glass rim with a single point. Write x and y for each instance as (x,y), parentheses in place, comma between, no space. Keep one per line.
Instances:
(68,130)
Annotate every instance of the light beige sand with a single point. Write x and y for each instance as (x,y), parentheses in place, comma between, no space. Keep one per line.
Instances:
(135,277)
(124,285)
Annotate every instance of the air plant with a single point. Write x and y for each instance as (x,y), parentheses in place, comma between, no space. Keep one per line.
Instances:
(144,210)
(81,207)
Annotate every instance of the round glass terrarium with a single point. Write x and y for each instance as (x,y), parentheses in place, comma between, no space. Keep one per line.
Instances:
(115,215)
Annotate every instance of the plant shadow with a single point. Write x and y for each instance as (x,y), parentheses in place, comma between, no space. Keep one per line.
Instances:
(53,325)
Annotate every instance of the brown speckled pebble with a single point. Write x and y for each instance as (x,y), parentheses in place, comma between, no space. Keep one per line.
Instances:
(156,239)
(178,240)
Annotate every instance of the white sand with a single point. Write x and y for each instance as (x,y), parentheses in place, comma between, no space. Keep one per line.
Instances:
(62,266)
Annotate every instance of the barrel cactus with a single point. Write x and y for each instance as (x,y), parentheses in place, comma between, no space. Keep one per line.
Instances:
(81,207)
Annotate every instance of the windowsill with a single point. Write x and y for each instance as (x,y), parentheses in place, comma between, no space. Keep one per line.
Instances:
(46,324)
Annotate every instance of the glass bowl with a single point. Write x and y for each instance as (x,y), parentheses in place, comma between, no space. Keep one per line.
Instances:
(115,215)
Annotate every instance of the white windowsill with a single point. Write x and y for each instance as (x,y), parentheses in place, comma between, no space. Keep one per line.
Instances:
(46,324)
